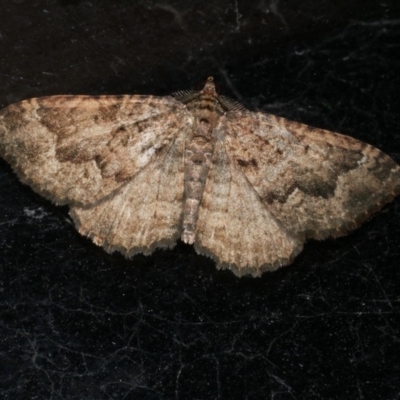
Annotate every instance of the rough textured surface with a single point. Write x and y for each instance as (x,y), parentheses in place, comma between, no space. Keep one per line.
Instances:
(245,188)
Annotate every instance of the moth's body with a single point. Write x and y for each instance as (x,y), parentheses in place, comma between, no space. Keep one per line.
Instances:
(246,188)
(199,148)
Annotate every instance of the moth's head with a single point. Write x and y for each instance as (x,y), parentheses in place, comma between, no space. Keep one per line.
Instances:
(209,87)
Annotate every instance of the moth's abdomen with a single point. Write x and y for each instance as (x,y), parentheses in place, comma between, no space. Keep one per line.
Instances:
(197,163)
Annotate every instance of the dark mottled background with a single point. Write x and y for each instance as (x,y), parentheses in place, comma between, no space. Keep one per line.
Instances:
(77,323)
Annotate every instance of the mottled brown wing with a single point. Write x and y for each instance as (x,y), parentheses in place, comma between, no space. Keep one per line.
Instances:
(234,226)
(316,183)
(143,214)
(79,149)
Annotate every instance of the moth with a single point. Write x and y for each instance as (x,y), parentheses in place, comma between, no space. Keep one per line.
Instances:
(245,188)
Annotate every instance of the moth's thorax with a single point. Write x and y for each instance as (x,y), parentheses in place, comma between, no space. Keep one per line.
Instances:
(206,111)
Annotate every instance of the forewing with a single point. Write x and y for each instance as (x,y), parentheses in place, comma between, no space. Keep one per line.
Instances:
(145,212)
(79,149)
(315,182)
(234,226)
